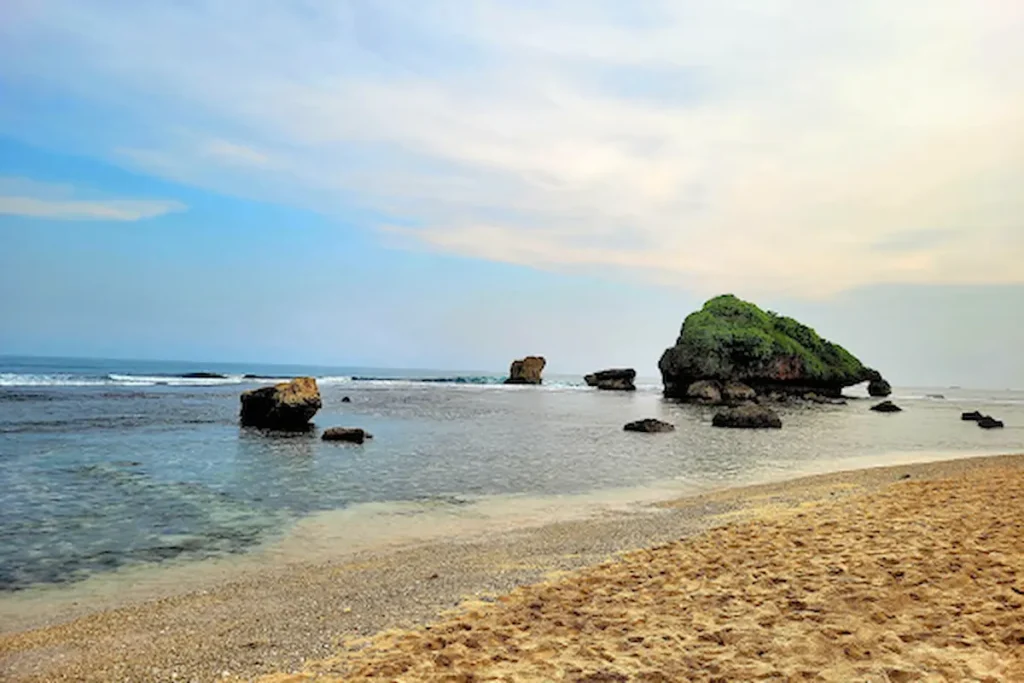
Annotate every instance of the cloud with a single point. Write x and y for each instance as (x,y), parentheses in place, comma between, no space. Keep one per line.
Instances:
(769,147)
(32,199)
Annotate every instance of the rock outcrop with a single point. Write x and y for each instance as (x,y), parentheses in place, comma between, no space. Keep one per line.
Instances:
(886,407)
(650,425)
(737,392)
(734,340)
(989,422)
(748,416)
(526,371)
(351,435)
(879,388)
(289,405)
(705,391)
(972,416)
(618,379)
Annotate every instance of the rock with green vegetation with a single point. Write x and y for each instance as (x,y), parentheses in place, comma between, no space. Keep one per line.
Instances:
(733,340)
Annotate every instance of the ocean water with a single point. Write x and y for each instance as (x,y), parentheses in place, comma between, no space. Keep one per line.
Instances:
(112,464)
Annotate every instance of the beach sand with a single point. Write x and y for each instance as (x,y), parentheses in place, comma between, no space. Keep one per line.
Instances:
(891,574)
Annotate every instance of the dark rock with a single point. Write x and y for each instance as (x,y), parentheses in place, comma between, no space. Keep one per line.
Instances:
(650,426)
(526,371)
(748,416)
(940,396)
(973,416)
(204,375)
(879,388)
(826,400)
(351,435)
(705,391)
(886,407)
(346,399)
(729,339)
(618,379)
(289,405)
(989,422)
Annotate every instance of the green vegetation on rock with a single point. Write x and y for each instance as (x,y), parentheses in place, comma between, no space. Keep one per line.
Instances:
(733,339)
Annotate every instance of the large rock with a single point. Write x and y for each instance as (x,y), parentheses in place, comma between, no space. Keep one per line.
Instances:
(349,434)
(748,416)
(289,405)
(650,425)
(526,371)
(737,392)
(705,391)
(618,379)
(989,422)
(972,416)
(733,340)
(879,388)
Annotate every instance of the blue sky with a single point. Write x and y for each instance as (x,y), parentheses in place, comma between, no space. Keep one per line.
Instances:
(453,184)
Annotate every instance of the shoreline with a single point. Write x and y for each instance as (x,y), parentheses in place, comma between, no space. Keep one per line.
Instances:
(266,620)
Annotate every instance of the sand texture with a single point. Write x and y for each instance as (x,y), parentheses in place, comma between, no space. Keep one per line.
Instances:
(923,580)
(859,575)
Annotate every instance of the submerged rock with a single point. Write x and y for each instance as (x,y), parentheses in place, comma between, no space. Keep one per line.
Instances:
(989,422)
(734,340)
(886,407)
(351,435)
(974,416)
(748,416)
(346,399)
(617,379)
(289,405)
(526,371)
(650,425)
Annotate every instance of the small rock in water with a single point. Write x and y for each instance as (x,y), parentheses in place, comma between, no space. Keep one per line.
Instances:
(972,416)
(346,399)
(351,435)
(749,416)
(989,422)
(649,425)
(934,396)
(886,407)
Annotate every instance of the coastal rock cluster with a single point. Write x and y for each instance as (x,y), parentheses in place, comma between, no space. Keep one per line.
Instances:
(731,342)
(617,379)
(983,421)
(526,371)
(285,406)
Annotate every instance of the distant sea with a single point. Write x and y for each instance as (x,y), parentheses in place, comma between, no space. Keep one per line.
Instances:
(106,464)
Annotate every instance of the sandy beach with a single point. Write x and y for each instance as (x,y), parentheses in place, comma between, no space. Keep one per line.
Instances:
(888,574)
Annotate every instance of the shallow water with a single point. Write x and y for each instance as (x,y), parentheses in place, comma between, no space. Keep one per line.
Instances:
(111,464)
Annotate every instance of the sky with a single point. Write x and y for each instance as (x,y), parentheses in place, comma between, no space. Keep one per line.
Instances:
(456,183)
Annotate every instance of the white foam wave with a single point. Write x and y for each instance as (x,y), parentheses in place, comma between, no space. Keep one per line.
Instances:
(150,380)
(12,379)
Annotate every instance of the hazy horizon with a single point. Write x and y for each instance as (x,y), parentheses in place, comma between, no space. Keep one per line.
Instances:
(457,184)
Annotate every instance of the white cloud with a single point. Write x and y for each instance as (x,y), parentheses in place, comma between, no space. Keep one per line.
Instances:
(33,199)
(750,146)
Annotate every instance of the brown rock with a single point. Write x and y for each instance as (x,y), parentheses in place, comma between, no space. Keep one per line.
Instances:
(737,392)
(748,416)
(526,371)
(289,405)
(705,391)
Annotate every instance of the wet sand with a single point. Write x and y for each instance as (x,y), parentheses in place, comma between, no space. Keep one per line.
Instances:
(864,575)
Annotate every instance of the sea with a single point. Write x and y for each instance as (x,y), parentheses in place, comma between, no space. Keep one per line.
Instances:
(112,464)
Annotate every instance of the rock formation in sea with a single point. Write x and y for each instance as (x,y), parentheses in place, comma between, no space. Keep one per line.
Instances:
(879,388)
(650,425)
(349,434)
(288,405)
(972,416)
(747,416)
(731,340)
(526,371)
(617,379)
(886,407)
(989,422)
